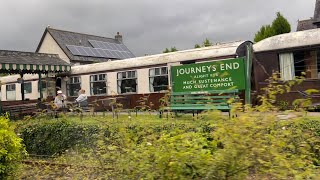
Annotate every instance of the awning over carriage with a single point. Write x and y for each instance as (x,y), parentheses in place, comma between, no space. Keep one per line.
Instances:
(16,62)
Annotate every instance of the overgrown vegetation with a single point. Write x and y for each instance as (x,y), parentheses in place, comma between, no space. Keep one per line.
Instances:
(253,144)
(11,148)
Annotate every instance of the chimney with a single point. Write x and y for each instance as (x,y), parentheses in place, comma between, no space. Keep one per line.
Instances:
(316,16)
(118,37)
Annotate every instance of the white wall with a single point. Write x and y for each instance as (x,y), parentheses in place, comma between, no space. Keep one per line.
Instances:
(18,91)
(85,84)
(49,45)
(143,81)
(112,83)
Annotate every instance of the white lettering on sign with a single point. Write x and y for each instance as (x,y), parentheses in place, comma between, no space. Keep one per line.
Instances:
(194,70)
(229,66)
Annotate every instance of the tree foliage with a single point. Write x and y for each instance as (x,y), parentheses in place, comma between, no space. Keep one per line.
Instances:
(280,25)
(197,46)
(172,49)
(205,43)
(11,149)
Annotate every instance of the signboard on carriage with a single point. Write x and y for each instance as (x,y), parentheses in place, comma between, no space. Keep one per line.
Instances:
(215,75)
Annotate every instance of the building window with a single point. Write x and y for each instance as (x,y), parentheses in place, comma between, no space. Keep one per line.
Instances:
(27,87)
(98,84)
(11,91)
(73,86)
(43,86)
(127,82)
(158,79)
(295,63)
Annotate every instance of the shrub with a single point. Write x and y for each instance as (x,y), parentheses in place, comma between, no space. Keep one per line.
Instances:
(11,148)
(54,137)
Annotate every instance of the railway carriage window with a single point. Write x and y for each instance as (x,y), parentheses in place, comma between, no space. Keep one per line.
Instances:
(286,61)
(297,62)
(98,84)
(158,79)
(73,86)
(11,92)
(127,82)
(27,87)
(43,86)
(188,62)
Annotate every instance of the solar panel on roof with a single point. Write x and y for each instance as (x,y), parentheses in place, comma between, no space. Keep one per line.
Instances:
(111,46)
(114,55)
(96,52)
(108,53)
(123,47)
(102,49)
(88,51)
(73,50)
(80,49)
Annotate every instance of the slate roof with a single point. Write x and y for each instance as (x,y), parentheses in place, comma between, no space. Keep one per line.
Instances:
(19,57)
(305,25)
(311,23)
(316,15)
(64,38)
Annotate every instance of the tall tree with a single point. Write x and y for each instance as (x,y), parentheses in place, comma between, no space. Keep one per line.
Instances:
(172,49)
(197,46)
(166,50)
(280,25)
(207,43)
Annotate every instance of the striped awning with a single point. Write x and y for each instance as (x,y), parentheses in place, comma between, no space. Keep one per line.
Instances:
(17,62)
(34,67)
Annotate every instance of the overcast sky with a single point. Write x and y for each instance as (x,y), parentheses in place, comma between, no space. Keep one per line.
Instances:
(147,26)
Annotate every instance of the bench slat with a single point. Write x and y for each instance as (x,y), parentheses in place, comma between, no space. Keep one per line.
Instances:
(200,108)
(229,91)
(204,97)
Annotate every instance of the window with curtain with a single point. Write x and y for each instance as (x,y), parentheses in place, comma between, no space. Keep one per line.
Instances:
(73,86)
(98,84)
(11,92)
(27,87)
(286,61)
(158,79)
(127,82)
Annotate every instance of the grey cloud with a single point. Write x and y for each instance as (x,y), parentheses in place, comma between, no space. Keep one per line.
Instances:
(148,26)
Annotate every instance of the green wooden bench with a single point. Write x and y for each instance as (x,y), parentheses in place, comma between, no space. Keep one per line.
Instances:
(202,100)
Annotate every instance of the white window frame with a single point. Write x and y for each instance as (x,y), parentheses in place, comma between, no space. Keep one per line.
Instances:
(24,84)
(73,81)
(153,73)
(92,81)
(128,76)
(9,87)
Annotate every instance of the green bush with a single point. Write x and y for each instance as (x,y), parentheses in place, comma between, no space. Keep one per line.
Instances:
(54,137)
(11,148)
(251,146)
